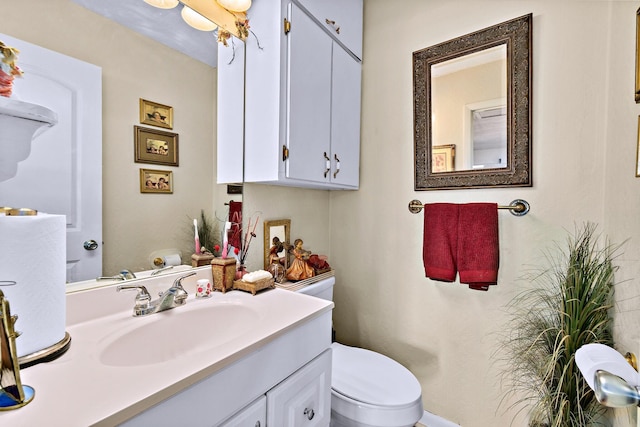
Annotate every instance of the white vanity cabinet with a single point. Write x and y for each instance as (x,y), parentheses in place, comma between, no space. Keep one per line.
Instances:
(292,373)
(301,95)
(254,415)
(302,400)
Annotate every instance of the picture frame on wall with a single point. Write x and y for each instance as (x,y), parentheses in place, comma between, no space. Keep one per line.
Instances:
(156,181)
(155,146)
(443,158)
(155,114)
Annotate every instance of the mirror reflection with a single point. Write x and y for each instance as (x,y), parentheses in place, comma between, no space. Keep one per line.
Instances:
(472,109)
(134,225)
(469,103)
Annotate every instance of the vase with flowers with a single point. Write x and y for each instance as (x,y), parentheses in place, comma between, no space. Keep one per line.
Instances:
(242,251)
(8,69)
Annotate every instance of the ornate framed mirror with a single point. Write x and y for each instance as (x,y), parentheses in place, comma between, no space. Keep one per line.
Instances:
(279,229)
(473,94)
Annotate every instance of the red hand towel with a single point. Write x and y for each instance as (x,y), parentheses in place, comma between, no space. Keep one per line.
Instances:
(478,248)
(440,244)
(235,218)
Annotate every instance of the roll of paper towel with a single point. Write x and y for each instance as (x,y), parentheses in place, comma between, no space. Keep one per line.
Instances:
(33,255)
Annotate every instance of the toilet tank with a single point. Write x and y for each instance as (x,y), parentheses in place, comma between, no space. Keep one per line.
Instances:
(322,289)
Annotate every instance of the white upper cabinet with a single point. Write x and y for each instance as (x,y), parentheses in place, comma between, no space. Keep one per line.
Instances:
(301,98)
(343,19)
(230,112)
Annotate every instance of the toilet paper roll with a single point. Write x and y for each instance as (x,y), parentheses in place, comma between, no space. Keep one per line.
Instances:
(593,357)
(33,255)
(172,259)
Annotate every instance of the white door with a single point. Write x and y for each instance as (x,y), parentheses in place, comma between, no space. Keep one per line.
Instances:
(63,174)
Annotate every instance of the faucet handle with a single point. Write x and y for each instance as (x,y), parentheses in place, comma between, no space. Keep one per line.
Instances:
(178,282)
(142,298)
(181,294)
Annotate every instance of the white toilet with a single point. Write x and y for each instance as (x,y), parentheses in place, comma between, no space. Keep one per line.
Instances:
(367,388)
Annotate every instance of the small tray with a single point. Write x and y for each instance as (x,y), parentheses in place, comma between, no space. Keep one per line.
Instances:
(254,287)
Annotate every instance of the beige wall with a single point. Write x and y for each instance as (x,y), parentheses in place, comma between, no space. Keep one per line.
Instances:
(584,136)
(584,144)
(134,67)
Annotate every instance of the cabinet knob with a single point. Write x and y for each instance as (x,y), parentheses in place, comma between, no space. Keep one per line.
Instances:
(257,423)
(335,156)
(309,413)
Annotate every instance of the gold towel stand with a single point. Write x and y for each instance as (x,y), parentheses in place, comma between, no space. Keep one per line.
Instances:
(518,207)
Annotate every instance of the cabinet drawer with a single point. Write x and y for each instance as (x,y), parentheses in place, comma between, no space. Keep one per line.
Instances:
(254,415)
(303,399)
(341,18)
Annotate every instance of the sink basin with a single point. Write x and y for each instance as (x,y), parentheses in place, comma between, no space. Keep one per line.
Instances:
(174,333)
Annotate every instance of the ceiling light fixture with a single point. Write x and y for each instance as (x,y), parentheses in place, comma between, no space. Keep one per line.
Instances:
(235,5)
(197,21)
(162,4)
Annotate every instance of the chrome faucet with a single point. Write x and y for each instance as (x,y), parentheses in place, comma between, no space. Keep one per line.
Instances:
(160,270)
(173,297)
(124,275)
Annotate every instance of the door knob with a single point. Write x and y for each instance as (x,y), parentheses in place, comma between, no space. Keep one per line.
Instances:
(90,245)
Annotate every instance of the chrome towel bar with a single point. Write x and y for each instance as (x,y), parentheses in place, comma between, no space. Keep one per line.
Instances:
(518,207)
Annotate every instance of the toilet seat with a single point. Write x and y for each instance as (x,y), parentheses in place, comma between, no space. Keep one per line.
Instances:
(373,389)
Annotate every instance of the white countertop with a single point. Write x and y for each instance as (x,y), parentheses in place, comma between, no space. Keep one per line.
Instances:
(78,389)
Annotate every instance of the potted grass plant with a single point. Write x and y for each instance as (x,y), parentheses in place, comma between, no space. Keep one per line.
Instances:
(568,306)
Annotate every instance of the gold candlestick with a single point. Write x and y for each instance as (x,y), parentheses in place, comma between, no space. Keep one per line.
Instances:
(13,394)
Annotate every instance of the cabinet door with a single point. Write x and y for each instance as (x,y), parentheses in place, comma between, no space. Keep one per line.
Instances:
(309,99)
(254,415)
(345,119)
(341,18)
(230,139)
(303,399)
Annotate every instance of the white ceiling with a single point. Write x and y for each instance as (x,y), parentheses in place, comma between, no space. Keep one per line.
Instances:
(162,25)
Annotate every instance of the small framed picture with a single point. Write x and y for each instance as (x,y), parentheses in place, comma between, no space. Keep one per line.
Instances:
(156,181)
(154,114)
(155,146)
(443,157)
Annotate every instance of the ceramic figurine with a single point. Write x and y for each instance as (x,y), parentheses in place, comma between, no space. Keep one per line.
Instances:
(276,267)
(299,269)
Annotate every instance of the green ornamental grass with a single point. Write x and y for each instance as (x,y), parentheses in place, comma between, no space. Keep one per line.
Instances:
(568,307)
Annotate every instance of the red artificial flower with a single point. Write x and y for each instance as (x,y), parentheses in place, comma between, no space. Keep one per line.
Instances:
(216,248)
(236,251)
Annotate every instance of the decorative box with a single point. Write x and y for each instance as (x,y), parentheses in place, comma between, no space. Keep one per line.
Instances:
(223,271)
(254,287)
(198,260)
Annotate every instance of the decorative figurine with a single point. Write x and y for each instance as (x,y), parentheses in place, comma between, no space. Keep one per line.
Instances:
(319,264)
(276,267)
(299,269)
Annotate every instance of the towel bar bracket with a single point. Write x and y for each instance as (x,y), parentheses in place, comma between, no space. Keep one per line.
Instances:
(518,207)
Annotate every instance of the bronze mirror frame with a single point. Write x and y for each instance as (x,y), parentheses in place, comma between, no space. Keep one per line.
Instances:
(516,34)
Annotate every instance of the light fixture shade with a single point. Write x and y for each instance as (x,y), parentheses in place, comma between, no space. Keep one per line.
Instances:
(235,5)
(196,20)
(163,4)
